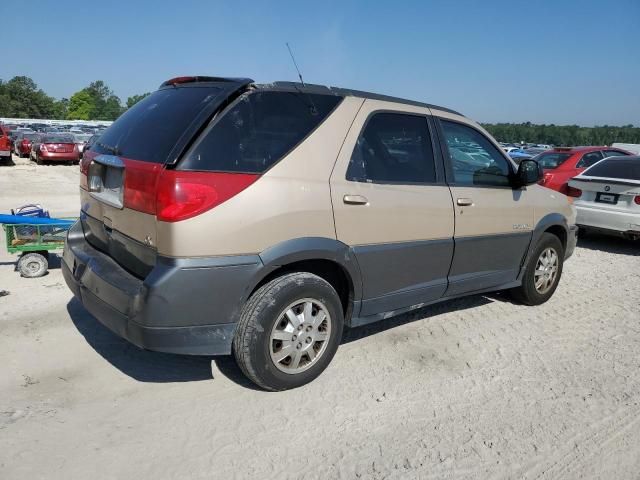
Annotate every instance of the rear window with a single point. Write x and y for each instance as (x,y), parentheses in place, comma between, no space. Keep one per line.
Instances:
(552,159)
(623,168)
(150,129)
(258,130)
(58,139)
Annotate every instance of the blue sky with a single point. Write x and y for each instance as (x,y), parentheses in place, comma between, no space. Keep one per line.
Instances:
(563,62)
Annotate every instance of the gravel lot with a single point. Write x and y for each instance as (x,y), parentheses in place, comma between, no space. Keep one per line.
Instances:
(473,388)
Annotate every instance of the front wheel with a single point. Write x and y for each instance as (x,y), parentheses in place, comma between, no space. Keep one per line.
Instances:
(289,331)
(542,273)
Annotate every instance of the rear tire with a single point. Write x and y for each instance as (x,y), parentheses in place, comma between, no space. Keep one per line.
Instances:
(542,273)
(33,265)
(289,330)
(38,161)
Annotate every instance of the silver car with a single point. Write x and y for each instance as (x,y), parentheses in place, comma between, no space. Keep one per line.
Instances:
(81,140)
(607,196)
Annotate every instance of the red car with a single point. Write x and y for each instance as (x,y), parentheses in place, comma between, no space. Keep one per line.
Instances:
(561,164)
(22,145)
(5,144)
(55,147)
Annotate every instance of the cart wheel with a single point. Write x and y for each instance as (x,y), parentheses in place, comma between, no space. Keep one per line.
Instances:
(32,265)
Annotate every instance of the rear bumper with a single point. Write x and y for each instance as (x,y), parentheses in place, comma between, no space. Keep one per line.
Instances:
(59,157)
(605,219)
(180,307)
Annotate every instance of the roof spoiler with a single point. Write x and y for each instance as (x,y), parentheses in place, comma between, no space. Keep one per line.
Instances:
(201,79)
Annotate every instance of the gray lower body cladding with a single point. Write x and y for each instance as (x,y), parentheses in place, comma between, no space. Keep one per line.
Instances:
(183,306)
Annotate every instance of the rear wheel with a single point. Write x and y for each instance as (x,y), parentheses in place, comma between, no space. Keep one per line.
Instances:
(33,265)
(542,273)
(289,331)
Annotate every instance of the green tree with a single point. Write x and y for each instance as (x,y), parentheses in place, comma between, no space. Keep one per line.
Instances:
(21,97)
(131,101)
(81,106)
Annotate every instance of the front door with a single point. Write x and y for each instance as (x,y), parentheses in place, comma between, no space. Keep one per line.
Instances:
(493,221)
(393,208)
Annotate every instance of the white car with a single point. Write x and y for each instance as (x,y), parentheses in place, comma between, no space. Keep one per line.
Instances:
(607,196)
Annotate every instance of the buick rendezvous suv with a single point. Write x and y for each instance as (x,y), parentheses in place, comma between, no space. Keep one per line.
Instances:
(219,216)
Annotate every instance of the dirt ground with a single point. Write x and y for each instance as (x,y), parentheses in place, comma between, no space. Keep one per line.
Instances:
(473,388)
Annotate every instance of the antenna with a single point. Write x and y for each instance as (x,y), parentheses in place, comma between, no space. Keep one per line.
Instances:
(295,64)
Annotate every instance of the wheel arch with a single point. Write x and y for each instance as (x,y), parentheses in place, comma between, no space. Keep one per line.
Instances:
(554,223)
(326,257)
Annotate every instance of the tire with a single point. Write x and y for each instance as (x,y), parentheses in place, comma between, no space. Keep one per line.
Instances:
(38,160)
(538,286)
(33,265)
(259,345)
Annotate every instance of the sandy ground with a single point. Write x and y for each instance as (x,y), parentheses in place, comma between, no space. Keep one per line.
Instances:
(473,388)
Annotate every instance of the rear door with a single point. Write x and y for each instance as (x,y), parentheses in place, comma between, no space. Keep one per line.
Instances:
(493,222)
(392,207)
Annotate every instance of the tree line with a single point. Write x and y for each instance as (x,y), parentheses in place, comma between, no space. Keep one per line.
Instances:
(563,135)
(20,97)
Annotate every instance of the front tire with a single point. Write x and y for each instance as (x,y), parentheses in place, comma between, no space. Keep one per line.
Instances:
(542,273)
(289,331)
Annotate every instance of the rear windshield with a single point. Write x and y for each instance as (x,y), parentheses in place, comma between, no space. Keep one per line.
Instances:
(57,139)
(150,129)
(616,167)
(552,159)
(258,130)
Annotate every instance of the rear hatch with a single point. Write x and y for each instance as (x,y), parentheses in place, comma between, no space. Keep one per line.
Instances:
(119,174)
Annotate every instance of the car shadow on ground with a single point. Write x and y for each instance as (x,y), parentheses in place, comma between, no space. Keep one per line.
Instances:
(7,163)
(609,244)
(156,367)
(142,365)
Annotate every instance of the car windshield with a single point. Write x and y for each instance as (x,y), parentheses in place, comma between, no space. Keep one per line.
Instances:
(627,168)
(30,136)
(58,139)
(552,159)
(82,137)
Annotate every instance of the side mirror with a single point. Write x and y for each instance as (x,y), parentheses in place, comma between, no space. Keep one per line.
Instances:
(529,172)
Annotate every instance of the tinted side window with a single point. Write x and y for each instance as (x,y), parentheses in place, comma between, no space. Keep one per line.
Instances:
(258,130)
(589,159)
(393,148)
(474,159)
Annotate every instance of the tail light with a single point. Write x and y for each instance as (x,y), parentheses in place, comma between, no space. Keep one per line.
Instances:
(174,195)
(636,199)
(546,178)
(574,192)
(181,195)
(43,147)
(84,169)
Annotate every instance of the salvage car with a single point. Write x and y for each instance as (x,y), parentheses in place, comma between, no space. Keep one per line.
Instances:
(5,145)
(563,163)
(55,147)
(219,216)
(607,197)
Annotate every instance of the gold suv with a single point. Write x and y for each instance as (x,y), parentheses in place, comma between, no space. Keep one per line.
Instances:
(220,216)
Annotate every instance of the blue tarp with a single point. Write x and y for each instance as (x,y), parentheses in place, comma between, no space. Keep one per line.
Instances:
(22,220)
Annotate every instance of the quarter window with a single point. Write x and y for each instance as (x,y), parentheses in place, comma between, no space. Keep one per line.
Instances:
(474,159)
(393,148)
(258,130)
(589,159)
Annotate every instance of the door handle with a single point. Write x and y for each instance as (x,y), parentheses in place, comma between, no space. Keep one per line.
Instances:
(464,202)
(355,200)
